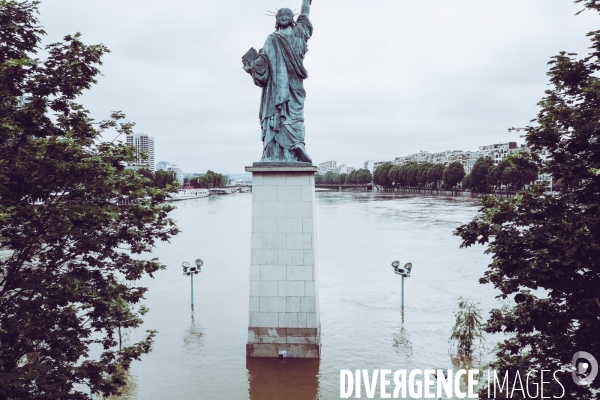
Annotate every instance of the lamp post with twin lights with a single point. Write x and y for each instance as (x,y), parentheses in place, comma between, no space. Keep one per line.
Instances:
(404,272)
(191,271)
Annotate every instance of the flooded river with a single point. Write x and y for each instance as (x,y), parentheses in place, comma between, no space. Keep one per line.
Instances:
(202,355)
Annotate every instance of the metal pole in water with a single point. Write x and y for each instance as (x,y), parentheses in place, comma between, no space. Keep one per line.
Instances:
(192,290)
(403,292)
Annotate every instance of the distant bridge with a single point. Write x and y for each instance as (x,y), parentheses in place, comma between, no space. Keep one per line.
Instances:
(334,186)
(338,187)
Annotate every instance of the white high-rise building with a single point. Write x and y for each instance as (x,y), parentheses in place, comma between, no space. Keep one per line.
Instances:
(178,172)
(142,143)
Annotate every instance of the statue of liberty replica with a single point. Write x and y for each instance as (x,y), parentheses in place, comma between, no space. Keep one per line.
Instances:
(283,307)
(278,69)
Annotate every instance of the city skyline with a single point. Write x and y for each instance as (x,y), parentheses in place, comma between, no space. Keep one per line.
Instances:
(412,78)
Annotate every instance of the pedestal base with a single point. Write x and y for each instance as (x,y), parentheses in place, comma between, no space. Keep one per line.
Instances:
(292,350)
(284,305)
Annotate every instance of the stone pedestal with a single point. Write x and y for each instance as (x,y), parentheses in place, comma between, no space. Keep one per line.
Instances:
(284,300)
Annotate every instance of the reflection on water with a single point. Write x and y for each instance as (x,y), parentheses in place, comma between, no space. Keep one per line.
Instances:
(287,379)
(193,339)
(402,344)
(362,327)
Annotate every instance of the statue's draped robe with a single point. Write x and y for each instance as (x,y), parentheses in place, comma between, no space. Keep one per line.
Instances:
(279,70)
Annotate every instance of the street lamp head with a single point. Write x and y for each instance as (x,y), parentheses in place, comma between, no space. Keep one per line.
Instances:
(185,264)
(408,268)
(395,264)
(199,262)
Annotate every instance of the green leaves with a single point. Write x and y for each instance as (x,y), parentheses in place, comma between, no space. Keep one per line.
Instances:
(209,180)
(72,216)
(545,247)
(466,337)
(454,174)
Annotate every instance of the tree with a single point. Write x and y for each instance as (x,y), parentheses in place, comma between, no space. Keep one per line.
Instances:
(163,179)
(74,218)
(331,178)
(319,179)
(342,178)
(546,253)
(393,174)
(467,331)
(466,182)
(453,174)
(435,175)
(363,176)
(422,173)
(159,179)
(209,180)
(380,177)
(520,171)
(412,174)
(479,175)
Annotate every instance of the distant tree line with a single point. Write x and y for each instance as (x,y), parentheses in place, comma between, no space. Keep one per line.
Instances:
(209,180)
(512,173)
(159,179)
(357,177)
(415,175)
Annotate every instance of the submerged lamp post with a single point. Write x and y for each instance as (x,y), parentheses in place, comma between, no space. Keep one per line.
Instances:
(405,272)
(191,271)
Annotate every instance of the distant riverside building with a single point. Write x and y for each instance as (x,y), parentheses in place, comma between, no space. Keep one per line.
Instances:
(331,166)
(378,164)
(369,165)
(142,143)
(178,172)
(497,152)
(326,167)
(445,158)
(342,169)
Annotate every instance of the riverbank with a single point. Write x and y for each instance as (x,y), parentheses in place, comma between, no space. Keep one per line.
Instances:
(455,192)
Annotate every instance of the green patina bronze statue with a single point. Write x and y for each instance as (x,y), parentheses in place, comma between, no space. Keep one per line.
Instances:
(279,70)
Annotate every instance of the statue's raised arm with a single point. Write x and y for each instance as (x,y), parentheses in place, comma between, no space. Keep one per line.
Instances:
(306,7)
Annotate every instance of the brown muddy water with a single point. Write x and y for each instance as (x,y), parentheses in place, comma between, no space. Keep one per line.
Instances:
(201,355)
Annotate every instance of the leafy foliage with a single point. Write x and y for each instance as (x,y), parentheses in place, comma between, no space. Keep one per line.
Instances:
(479,175)
(360,176)
(425,175)
(435,175)
(454,174)
(209,180)
(467,331)
(331,178)
(356,177)
(164,179)
(73,217)
(546,248)
(160,179)
(380,176)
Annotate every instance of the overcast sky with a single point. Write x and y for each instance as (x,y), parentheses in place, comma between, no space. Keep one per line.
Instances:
(386,77)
